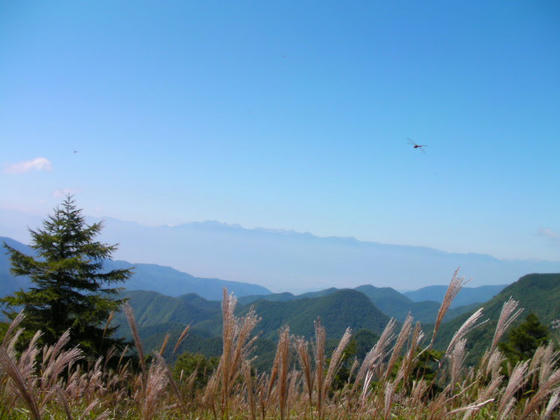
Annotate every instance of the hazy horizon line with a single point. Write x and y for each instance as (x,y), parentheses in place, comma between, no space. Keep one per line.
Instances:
(289,231)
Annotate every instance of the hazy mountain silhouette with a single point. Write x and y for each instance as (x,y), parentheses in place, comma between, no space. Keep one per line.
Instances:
(298,262)
(467,295)
(164,280)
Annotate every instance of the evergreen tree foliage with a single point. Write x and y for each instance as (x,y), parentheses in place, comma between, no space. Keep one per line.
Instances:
(524,340)
(69,288)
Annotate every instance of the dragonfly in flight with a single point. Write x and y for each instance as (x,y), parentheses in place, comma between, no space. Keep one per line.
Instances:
(417,146)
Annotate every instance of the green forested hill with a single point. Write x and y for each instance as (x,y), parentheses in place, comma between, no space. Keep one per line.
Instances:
(338,310)
(387,299)
(151,308)
(285,296)
(157,314)
(536,293)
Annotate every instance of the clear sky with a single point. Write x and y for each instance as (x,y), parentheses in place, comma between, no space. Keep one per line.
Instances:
(291,115)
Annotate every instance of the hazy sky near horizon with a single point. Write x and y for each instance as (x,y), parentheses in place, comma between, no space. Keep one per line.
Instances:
(291,115)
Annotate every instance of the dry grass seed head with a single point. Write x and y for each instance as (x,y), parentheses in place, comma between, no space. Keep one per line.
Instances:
(388,400)
(376,353)
(469,325)
(552,404)
(401,339)
(408,361)
(283,353)
(336,359)
(22,386)
(12,328)
(517,379)
(108,323)
(305,362)
(508,315)
(150,398)
(543,391)
(454,288)
(135,335)
(181,338)
(457,359)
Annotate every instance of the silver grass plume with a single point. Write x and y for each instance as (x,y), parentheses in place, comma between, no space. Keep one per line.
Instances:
(508,315)
(454,288)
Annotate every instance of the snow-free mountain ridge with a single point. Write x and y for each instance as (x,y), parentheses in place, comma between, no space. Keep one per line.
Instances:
(283,260)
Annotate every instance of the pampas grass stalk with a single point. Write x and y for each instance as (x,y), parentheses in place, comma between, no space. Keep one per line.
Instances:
(469,325)
(305,363)
(181,338)
(408,360)
(237,345)
(401,339)
(64,401)
(543,391)
(508,315)
(388,400)
(336,360)
(320,338)
(22,385)
(283,351)
(472,407)
(457,358)
(135,335)
(8,335)
(164,344)
(109,319)
(552,404)
(171,381)
(454,288)
(376,353)
(517,379)
(250,390)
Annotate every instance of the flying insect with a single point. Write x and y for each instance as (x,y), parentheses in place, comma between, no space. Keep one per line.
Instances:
(417,146)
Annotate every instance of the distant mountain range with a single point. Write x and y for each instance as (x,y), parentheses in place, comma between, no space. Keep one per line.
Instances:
(173,283)
(290,261)
(467,295)
(165,280)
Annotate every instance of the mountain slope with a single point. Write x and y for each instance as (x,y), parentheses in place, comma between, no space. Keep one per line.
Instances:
(151,308)
(341,309)
(536,293)
(164,280)
(387,299)
(8,282)
(158,315)
(168,281)
(338,310)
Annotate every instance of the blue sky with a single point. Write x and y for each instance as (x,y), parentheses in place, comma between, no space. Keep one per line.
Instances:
(291,115)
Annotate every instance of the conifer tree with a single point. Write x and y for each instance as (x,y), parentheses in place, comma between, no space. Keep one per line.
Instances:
(70,289)
(525,339)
